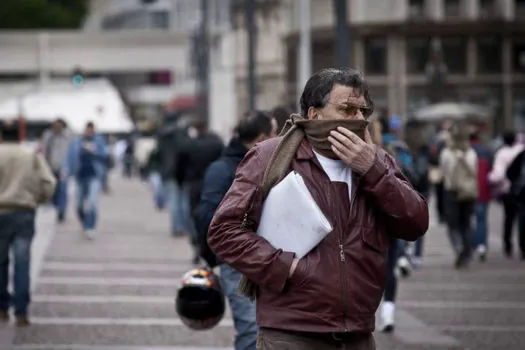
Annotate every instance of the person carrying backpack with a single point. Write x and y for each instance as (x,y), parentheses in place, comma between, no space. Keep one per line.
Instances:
(459,163)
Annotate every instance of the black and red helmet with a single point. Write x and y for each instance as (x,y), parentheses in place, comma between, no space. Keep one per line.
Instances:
(200,301)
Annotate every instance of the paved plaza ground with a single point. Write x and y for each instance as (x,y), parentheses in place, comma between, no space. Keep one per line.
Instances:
(117,292)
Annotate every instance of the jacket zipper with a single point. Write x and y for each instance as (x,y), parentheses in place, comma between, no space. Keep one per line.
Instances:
(343,262)
(343,268)
(245,220)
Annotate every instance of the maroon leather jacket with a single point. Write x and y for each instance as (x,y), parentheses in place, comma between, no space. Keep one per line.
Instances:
(337,287)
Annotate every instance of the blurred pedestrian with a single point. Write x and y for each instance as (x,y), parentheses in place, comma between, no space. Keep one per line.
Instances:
(54,146)
(197,153)
(420,152)
(437,145)
(516,175)
(484,188)
(171,136)
(26,181)
(328,298)
(86,162)
(459,165)
(129,157)
(280,115)
(153,168)
(219,177)
(503,158)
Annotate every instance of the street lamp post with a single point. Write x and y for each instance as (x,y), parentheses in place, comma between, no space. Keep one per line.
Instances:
(304,66)
(202,52)
(251,31)
(342,34)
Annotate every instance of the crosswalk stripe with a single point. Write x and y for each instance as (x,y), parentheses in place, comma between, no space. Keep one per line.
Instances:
(100,321)
(105,347)
(110,281)
(463,304)
(79,266)
(132,299)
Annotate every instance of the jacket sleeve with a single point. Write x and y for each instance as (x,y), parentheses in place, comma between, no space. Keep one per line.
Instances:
(215,185)
(404,209)
(46,179)
(70,161)
(232,234)
(102,149)
(497,173)
(214,188)
(44,142)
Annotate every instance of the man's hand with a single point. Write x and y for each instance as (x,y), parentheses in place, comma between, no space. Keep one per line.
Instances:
(293,267)
(354,152)
(89,147)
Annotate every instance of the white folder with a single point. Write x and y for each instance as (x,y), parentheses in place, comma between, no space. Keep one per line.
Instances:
(291,220)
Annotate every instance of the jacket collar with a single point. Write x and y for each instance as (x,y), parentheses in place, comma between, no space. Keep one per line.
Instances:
(304,152)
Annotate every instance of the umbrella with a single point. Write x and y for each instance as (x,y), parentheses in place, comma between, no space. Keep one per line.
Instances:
(453,111)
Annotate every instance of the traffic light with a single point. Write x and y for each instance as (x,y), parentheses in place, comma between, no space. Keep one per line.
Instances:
(78,78)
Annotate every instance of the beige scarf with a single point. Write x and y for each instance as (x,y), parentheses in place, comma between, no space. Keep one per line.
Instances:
(293,133)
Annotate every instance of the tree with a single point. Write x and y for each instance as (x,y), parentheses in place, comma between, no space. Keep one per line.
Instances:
(42,14)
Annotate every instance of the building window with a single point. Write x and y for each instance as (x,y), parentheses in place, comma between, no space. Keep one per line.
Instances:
(518,56)
(455,54)
(375,56)
(160,19)
(520,9)
(163,78)
(489,9)
(489,55)
(417,55)
(416,9)
(452,8)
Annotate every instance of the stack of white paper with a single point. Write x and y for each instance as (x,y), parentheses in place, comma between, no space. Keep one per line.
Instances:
(291,220)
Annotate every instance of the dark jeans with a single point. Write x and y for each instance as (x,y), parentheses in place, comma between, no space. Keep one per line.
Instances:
(16,232)
(243,310)
(59,199)
(195,189)
(440,201)
(272,339)
(418,253)
(513,210)
(88,191)
(459,220)
(391,279)
(480,239)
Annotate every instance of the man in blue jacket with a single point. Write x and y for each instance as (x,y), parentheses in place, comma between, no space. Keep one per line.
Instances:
(218,179)
(86,160)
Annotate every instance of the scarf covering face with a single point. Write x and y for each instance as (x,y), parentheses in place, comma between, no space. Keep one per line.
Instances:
(293,133)
(317,132)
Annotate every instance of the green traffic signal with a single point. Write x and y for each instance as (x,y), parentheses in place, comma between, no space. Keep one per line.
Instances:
(78,80)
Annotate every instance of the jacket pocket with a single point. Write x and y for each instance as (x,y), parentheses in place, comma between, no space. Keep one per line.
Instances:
(375,239)
(300,274)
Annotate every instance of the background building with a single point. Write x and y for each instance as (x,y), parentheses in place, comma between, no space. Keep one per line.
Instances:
(482,43)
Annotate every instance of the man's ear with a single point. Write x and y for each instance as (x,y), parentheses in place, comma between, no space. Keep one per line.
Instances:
(312,113)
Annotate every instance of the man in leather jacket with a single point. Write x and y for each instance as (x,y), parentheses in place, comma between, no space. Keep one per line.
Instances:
(327,299)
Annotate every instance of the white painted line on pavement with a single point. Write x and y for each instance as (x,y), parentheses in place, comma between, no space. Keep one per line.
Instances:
(481,328)
(110,281)
(45,230)
(411,330)
(102,299)
(105,347)
(95,321)
(80,266)
(463,304)
(439,285)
